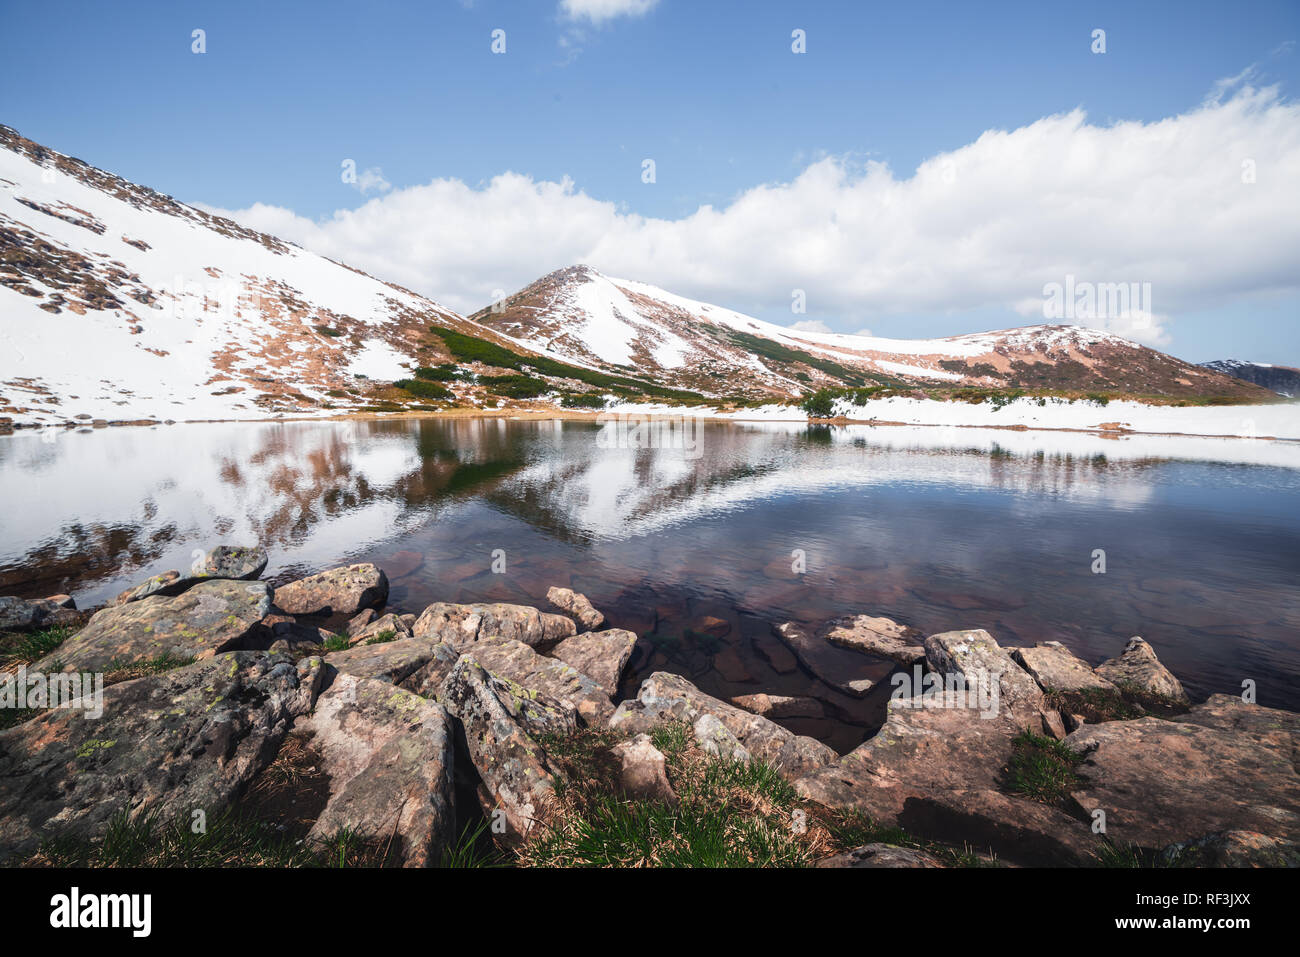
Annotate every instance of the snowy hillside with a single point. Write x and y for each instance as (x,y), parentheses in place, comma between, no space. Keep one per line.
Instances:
(118,303)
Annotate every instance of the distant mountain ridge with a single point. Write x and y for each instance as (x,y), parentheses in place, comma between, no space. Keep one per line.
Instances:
(623,324)
(1284,380)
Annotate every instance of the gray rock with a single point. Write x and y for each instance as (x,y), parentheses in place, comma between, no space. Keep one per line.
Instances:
(1232,849)
(716,740)
(602,655)
(340,591)
(388,755)
(1139,668)
(643,770)
(390,624)
(23,614)
(576,606)
(665,697)
(983,664)
(236,562)
(519,663)
(392,662)
(881,855)
(171,744)
(462,625)
(209,618)
(501,722)
(1055,668)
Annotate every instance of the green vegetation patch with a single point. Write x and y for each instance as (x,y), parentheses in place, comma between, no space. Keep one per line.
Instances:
(424,389)
(1041,768)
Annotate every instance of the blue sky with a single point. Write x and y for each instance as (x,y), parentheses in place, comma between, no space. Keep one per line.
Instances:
(710,91)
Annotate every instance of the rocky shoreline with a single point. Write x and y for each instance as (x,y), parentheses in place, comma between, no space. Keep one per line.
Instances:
(406,731)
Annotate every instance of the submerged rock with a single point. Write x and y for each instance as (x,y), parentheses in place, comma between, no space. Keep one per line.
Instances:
(462,625)
(666,697)
(340,591)
(1138,668)
(821,658)
(780,706)
(882,637)
(602,655)
(183,741)
(576,606)
(209,618)
(388,755)
(225,561)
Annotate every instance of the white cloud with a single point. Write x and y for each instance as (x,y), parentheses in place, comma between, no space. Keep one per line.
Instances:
(983,226)
(600,11)
(810,325)
(372,181)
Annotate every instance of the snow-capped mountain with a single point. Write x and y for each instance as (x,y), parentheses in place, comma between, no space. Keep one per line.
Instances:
(120,303)
(1284,380)
(619,324)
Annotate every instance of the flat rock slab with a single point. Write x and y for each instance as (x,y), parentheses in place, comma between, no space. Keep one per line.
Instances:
(225,561)
(882,637)
(555,679)
(1056,668)
(667,697)
(392,662)
(576,606)
(881,855)
(388,755)
(390,626)
(1140,669)
(209,618)
(1225,767)
(462,625)
(832,665)
(340,591)
(186,740)
(601,655)
(501,723)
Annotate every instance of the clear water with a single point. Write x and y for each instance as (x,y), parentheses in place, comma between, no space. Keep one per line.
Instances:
(939,528)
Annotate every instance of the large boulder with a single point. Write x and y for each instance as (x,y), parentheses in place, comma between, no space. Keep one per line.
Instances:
(462,625)
(601,655)
(388,756)
(171,744)
(235,562)
(339,591)
(1224,766)
(501,722)
(576,606)
(665,697)
(878,636)
(1139,669)
(207,619)
(562,682)
(832,665)
(1055,668)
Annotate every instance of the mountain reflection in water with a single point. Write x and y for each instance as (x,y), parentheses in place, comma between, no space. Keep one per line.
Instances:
(941,528)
